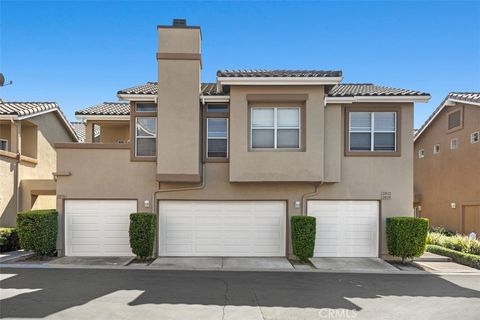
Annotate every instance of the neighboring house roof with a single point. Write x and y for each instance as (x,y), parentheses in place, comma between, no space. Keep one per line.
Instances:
(22,109)
(278,73)
(107,109)
(462,97)
(150,88)
(370,89)
(80,129)
(18,110)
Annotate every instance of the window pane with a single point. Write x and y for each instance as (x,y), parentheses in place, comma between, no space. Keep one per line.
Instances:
(262,138)
(360,141)
(217,148)
(146,107)
(262,117)
(146,147)
(360,121)
(384,121)
(384,142)
(288,117)
(218,108)
(287,138)
(147,127)
(217,128)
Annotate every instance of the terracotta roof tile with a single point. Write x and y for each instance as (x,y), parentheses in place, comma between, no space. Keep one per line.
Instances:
(279,73)
(107,108)
(369,89)
(25,108)
(209,89)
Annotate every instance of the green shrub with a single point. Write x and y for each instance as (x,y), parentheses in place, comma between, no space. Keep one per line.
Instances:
(142,234)
(8,239)
(303,236)
(37,230)
(442,230)
(406,236)
(457,242)
(471,260)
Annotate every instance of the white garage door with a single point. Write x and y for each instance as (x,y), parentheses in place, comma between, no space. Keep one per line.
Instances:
(345,228)
(222,228)
(98,227)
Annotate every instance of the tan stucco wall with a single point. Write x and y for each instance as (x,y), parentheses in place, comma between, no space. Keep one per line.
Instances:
(5,131)
(361,177)
(276,165)
(110,131)
(178,143)
(452,176)
(49,130)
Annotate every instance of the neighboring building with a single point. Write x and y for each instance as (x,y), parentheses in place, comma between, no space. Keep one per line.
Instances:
(80,130)
(226,164)
(447,164)
(28,131)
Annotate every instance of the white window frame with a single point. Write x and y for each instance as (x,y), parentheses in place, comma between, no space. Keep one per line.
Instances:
(435,149)
(6,144)
(472,135)
(454,143)
(276,128)
(217,138)
(137,137)
(372,131)
(421,153)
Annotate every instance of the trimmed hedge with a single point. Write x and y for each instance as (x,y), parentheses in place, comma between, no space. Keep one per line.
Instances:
(142,231)
(406,236)
(37,230)
(8,239)
(471,260)
(303,236)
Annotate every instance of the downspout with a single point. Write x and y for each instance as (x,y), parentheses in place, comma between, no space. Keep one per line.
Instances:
(16,170)
(308,195)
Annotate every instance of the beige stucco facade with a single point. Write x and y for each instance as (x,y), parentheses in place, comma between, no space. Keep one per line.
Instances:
(35,185)
(447,184)
(320,168)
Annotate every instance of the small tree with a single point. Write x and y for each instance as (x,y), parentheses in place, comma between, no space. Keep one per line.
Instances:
(406,236)
(142,234)
(303,236)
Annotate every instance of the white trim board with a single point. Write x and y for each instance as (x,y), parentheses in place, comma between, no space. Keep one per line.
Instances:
(376,99)
(266,81)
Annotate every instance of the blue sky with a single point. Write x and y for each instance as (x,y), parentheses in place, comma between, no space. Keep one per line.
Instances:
(81,53)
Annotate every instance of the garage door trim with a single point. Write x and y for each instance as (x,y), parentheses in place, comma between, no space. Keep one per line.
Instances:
(380,215)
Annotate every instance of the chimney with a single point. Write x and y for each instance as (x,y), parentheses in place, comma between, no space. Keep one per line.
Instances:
(179,76)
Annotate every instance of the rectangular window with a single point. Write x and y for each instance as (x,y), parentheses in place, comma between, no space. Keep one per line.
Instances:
(421,153)
(217,108)
(475,137)
(145,136)
(146,107)
(373,131)
(4,144)
(275,128)
(454,143)
(217,137)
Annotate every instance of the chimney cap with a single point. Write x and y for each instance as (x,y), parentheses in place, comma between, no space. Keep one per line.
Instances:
(179,22)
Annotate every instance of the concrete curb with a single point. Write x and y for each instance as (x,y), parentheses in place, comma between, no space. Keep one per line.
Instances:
(49,266)
(16,258)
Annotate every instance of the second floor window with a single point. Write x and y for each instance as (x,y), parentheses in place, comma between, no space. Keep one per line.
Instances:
(4,144)
(373,131)
(145,136)
(217,137)
(275,128)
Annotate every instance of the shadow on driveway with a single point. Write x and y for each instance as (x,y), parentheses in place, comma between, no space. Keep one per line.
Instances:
(62,289)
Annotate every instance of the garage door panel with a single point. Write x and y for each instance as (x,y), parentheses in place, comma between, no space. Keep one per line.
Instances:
(345,228)
(222,228)
(98,227)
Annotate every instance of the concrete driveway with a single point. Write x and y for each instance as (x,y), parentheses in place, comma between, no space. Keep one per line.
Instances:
(86,294)
(352,264)
(219,263)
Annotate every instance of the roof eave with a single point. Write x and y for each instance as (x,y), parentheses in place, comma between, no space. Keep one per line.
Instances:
(352,99)
(99,117)
(279,80)
(136,97)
